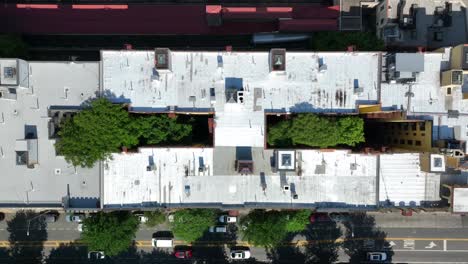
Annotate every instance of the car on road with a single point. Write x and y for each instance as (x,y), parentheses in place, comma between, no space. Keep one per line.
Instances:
(240,254)
(96,255)
(319,217)
(143,219)
(183,254)
(49,218)
(162,242)
(2,216)
(77,218)
(227,219)
(217,229)
(80,227)
(376,256)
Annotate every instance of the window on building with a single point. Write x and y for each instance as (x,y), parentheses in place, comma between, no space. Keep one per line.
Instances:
(417,143)
(402,141)
(413,126)
(414,134)
(405,126)
(423,134)
(395,141)
(410,142)
(381,21)
(389,140)
(422,126)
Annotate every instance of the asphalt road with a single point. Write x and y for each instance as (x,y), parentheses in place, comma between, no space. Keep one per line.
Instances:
(435,242)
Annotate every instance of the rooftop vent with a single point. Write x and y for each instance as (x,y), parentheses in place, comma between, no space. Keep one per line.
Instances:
(9,73)
(244,167)
(286,160)
(163,59)
(278,60)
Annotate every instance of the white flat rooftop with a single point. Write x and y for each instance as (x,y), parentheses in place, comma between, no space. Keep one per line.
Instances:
(326,179)
(312,82)
(402,183)
(429,100)
(52,179)
(460,200)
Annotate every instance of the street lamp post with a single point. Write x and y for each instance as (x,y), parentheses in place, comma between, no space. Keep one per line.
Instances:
(29,222)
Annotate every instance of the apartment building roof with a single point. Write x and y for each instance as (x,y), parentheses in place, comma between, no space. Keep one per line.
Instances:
(31,173)
(402,183)
(241,86)
(208,177)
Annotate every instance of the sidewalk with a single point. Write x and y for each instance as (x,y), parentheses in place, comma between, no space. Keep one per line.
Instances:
(419,220)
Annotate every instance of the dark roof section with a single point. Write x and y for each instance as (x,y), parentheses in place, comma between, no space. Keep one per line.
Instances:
(465,58)
(154,20)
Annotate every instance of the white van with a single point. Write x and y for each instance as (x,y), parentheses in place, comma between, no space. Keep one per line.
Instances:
(161,242)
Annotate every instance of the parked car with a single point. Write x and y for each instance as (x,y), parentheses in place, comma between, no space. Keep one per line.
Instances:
(227,219)
(80,227)
(162,242)
(217,229)
(95,255)
(183,254)
(143,219)
(240,254)
(376,256)
(49,218)
(340,217)
(319,217)
(77,218)
(2,216)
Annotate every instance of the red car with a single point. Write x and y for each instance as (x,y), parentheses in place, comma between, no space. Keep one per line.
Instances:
(319,217)
(183,254)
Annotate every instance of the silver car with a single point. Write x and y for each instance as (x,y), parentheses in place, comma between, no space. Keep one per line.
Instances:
(377,256)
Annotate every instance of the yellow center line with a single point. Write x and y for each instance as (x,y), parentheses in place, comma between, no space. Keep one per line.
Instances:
(147,243)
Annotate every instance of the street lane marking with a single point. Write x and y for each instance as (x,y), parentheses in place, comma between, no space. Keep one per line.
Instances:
(431,245)
(408,243)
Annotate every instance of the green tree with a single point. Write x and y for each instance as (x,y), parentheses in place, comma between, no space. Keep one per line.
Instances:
(269,228)
(317,131)
(103,128)
(154,218)
(190,224)
(297,220)
(94,133)
(339,41)
(12,46)
(153,129)
(110,232)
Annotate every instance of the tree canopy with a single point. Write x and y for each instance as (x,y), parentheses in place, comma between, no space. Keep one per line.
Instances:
(154,218)
(12,46)
(190,224)
(269,228)
(103,128)
(316,131)
(110,232)
(339,41)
